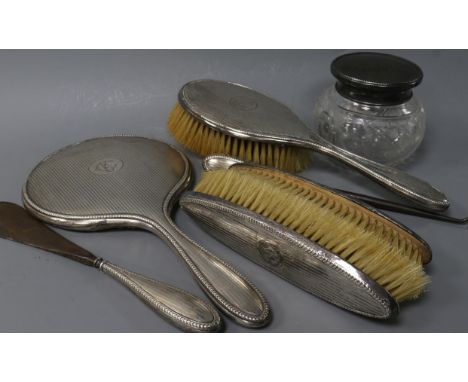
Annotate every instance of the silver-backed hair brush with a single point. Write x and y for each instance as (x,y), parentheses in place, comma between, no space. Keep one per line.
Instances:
(217,117)
(340,250)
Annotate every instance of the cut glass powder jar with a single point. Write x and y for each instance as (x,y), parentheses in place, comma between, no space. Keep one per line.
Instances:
(371,110)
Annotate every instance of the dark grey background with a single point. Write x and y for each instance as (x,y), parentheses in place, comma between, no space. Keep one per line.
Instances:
(49,99)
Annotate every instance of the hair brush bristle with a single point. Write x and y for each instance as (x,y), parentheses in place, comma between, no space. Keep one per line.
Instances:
(385,252)
(202,139)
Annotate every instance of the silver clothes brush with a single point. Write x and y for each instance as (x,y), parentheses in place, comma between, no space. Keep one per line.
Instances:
(328,245)
(213,162)
(217,117)
(180,308)
(134,182)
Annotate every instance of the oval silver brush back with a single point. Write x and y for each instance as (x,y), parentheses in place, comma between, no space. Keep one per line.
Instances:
(291,256)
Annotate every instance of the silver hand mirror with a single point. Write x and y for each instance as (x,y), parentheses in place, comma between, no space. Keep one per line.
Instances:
(118,182)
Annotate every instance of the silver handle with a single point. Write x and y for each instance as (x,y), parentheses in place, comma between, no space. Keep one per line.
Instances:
(398,181)
(228,289)
(183,309)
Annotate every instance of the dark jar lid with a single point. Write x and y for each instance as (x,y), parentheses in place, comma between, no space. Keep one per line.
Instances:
(375,78)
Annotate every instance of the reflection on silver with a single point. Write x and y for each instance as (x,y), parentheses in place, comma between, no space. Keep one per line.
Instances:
(219,162)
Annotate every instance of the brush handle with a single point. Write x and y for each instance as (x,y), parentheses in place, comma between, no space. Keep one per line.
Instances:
(401,208)
(228,289)
(393,179)
(181,308)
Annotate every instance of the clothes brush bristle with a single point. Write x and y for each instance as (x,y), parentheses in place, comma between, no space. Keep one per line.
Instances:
(202,139)
(379,248)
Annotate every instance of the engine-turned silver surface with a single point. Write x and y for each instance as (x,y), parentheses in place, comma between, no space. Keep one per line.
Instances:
(107,177)
(240,111)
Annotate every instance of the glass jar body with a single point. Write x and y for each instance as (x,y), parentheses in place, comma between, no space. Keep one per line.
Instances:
(384,133)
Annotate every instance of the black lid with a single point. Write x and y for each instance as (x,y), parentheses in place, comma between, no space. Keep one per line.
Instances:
(375,78)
